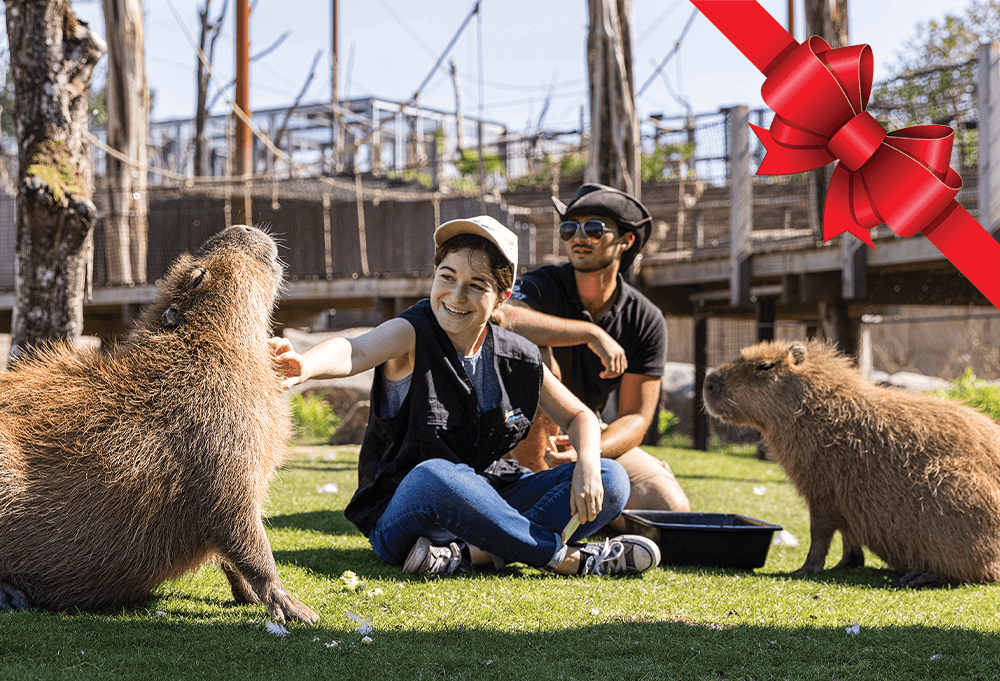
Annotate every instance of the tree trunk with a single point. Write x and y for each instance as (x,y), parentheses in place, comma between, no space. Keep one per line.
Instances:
(206,47)
(127,94)
(614,148)
(828,20)
(52,57)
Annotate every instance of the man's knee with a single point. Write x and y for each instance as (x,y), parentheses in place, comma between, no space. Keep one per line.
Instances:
(654,486)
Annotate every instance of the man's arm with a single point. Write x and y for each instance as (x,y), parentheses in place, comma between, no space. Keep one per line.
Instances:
(638,396)
(548,330)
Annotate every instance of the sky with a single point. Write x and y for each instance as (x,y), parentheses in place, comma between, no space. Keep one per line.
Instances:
(531,51)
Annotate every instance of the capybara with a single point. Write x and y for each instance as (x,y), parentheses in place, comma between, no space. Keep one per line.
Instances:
(914,478)
(120,469)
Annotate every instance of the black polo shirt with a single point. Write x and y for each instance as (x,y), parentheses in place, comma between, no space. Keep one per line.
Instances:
(633,320)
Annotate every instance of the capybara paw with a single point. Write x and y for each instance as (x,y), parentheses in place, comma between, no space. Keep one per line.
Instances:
(286,607)
(920,580)
(13,599)
(807,569)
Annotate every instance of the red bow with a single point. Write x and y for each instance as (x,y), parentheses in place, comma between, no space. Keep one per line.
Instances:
(902,178)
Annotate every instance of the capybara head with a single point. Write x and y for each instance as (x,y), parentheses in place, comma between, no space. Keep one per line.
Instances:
(774,381)
(230,285)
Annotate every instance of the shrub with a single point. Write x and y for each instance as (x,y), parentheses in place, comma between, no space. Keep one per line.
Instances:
(974,392)
(666,424)
(314,420)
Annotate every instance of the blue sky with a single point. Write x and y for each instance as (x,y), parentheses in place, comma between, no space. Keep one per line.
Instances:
(387,48)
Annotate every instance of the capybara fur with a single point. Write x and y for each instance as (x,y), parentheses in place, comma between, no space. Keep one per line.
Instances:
(120,469)
(914,478)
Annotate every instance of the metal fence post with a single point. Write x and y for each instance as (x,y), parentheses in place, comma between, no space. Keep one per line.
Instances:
(741,206)
(989,137)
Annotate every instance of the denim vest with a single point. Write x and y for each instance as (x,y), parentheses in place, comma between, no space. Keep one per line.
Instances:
(440,419)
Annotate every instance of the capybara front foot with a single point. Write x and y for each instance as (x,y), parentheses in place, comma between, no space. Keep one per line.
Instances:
(920,580)
(284,606)
(13,599)
(810,568)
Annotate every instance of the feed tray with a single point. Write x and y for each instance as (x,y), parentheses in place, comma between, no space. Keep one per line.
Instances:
(726,540)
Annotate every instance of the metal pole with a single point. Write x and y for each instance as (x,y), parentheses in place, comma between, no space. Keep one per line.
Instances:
(244,150)
(335,137)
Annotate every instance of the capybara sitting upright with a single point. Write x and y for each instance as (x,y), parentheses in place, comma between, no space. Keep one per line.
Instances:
(121,469)
(914,478)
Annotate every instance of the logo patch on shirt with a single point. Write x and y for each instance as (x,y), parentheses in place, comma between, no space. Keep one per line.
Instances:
(512,415)
(517,294)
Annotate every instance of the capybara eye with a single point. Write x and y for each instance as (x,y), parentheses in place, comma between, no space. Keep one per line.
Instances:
(197,277)
(764,366)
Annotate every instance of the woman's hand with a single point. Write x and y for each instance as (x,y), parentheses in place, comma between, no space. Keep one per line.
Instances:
(587,497)
(287,362)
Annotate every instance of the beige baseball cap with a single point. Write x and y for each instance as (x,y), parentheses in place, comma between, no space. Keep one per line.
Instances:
(489,228)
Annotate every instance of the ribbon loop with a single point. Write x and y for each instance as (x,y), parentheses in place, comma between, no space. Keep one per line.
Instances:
(857,141)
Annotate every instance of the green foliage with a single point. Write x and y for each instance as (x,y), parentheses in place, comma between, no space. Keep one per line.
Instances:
(974,392)
(936,80)
(571,169)
(658,164)
(410,175)
(7,125)
(99,108)
(666,424)
(313,419)
(468,163)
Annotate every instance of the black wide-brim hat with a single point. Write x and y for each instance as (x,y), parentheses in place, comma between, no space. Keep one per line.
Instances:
(604,201)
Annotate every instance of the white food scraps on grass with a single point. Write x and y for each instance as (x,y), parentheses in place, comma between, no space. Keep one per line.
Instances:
(274,628)
(364,628)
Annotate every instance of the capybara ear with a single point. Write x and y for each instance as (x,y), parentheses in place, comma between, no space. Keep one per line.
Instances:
(171,317)
(797,352)
(199,276)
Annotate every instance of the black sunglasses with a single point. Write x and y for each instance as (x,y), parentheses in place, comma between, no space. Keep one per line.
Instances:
(592,229)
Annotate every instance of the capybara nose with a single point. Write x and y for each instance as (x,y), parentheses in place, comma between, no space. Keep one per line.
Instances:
(711,382)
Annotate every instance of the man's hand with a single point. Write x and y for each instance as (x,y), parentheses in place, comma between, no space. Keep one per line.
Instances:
(559,451)
(612,354)
(287,362)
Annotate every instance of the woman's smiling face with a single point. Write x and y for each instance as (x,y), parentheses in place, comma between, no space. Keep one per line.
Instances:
(463,296)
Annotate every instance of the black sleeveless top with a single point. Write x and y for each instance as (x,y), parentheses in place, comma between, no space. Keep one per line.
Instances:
(440,419)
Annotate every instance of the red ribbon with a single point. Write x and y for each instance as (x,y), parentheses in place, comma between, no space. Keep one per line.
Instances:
(900,178)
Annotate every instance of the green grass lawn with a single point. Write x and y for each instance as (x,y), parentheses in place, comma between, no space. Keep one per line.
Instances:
(672,623)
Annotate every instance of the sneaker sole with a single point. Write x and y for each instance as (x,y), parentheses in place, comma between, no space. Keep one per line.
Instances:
(414,564)
(648,545)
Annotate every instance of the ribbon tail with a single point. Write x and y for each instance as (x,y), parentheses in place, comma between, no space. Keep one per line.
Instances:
(750,29)
(970,248)
(837,216)
(781,159)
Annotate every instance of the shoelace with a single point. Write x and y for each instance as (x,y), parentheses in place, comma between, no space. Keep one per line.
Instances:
(610,551)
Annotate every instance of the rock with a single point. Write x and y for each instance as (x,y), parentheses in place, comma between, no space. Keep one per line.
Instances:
(352,428)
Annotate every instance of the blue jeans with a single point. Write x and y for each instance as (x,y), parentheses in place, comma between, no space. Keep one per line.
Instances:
(521,522)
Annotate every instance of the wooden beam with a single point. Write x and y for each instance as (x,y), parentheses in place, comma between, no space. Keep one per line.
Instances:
(741,202)
(699,437)
(989,137)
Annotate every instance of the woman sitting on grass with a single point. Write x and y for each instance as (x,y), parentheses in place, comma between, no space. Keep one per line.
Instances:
(452,394)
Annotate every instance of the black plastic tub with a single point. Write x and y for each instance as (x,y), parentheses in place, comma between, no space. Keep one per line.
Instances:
(726,540)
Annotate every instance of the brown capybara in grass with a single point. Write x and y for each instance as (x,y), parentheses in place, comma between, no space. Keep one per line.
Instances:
(121,469)
(914,478)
